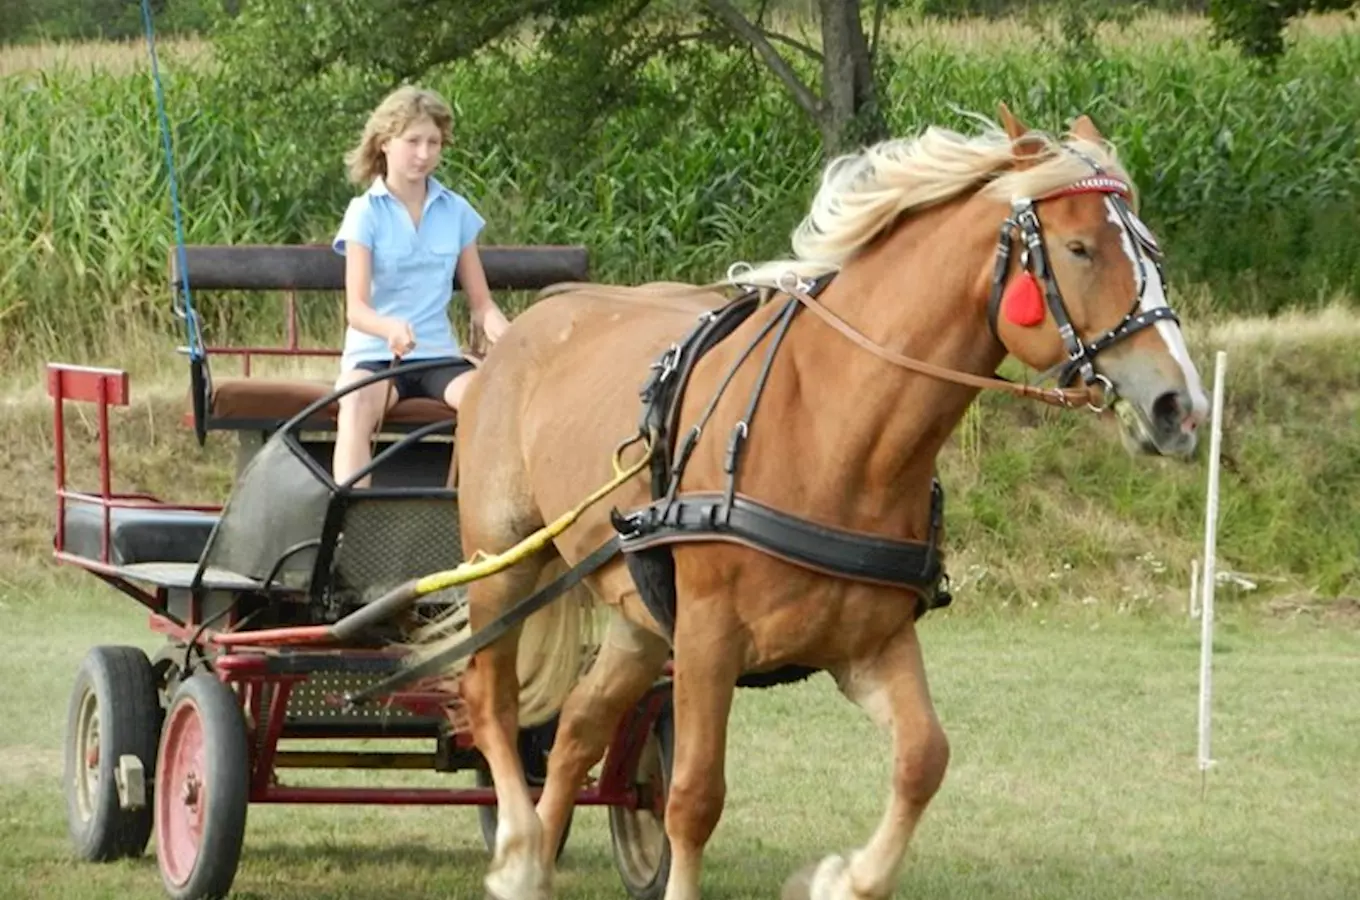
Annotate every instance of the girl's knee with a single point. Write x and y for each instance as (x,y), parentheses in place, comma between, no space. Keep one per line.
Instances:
(363,408)
(453,394)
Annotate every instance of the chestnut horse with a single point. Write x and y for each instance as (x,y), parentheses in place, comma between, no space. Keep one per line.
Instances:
(906,260)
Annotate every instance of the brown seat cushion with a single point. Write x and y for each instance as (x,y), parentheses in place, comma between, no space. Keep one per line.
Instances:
(264,399)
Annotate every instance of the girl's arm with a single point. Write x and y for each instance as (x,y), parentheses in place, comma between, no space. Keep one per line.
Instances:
(485,313)
(359,312)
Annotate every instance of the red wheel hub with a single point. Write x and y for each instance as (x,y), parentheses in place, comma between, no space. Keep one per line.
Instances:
(181,800)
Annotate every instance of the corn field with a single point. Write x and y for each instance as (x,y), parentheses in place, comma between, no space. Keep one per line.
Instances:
(1252,181)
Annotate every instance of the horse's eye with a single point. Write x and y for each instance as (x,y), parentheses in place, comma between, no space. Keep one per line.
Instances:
(1078,249)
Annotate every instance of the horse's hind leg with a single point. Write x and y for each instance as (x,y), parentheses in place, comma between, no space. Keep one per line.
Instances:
(707,665)
(892,688)
(490,690)
(629,661)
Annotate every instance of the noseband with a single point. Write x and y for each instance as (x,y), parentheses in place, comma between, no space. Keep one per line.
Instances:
(1034,259)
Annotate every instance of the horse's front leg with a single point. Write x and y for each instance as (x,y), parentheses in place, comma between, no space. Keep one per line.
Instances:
(892,689)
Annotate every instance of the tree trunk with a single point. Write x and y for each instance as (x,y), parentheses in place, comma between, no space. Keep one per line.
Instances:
(850,115)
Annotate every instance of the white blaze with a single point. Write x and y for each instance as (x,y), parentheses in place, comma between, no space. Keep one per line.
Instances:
(1152,294)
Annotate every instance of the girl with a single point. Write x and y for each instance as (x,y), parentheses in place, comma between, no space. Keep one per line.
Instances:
(402,240)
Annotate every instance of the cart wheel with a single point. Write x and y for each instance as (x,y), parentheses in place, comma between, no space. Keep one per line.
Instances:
(642,852)
(113,719)
(203,786)
(487,817)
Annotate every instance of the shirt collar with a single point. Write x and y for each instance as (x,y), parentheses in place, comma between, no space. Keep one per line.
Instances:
(433,189)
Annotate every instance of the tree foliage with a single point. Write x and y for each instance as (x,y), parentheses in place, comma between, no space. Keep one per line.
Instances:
(576,60)
(1257,27)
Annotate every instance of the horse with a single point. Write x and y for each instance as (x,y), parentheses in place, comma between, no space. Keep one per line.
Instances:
(828,421)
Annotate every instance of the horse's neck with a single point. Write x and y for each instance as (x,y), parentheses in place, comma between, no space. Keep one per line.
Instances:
(876,429)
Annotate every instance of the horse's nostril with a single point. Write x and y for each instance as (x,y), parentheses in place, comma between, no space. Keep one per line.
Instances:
(1171,410)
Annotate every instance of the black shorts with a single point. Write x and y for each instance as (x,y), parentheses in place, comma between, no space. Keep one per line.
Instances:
(430,382)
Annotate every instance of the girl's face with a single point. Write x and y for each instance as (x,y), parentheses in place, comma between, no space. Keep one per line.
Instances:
(413,154)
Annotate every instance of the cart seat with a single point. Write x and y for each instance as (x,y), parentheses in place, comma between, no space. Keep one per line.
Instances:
(141,534)
(243,404)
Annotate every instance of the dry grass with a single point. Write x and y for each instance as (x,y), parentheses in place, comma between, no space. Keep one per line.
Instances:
(123,57)
(987,35)
(1339,320)
(86,57)
(1014,475)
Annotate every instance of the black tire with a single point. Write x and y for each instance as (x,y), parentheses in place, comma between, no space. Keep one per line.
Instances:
(114,711)
(204,775)
(642,851)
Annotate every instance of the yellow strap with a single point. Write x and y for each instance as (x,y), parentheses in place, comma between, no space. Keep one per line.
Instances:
(481,564)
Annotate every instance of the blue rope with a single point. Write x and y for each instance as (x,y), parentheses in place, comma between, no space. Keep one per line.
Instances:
(190,319)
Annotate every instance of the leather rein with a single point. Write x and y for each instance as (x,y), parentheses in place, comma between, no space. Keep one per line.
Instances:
(1097,391)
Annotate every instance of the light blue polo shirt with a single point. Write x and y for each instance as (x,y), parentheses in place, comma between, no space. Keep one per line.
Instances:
(412,268)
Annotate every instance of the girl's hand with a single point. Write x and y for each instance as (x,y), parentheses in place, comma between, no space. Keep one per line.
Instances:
(400,339)
(494,324)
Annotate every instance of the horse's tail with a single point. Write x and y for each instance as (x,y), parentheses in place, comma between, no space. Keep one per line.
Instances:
(555,645)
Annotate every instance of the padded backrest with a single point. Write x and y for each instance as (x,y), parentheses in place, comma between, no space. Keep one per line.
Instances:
(315,267)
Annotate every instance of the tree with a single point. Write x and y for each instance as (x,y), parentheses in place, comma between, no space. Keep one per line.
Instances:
(1257,26)
(847,110)
(598,50)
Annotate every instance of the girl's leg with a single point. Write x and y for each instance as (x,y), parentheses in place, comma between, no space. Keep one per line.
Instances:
(453,394)
(359,415)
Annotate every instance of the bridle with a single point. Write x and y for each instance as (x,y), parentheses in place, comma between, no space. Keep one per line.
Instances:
(1034,260)
(1097,390)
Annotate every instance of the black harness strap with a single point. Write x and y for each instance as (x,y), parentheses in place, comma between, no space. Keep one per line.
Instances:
(665,388)
(1034,259)
(646,535)
(834,551)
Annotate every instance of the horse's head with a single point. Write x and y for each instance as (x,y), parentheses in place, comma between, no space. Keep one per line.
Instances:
(1084,294)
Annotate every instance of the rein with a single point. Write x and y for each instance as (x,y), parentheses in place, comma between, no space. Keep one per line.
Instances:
(1064,397)
(1097,390)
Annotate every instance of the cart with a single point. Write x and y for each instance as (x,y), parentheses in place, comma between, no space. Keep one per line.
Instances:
(266,606)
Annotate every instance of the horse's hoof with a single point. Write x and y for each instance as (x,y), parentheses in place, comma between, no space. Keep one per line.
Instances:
(524,889)
(825,880)
(799,884)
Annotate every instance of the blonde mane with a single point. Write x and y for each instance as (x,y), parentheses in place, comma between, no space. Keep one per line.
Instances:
(861,194)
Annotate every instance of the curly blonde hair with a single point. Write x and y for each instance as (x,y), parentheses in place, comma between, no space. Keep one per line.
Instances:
(396,113)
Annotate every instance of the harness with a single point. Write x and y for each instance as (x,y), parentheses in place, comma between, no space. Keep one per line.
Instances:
(647,534)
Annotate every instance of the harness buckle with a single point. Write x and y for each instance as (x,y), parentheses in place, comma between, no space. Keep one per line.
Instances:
(668,363)
(789,282)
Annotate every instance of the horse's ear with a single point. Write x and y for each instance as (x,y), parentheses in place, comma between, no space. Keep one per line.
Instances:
(1085,129)
(1026,144)
(1014,127)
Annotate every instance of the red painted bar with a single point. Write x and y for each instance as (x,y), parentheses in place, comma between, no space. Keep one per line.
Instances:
(301,635)
(421,796)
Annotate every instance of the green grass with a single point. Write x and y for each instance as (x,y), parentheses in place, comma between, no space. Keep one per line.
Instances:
(1043,507)
(1073,771)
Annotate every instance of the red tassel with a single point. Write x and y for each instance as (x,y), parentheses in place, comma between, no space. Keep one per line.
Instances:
(1023,304)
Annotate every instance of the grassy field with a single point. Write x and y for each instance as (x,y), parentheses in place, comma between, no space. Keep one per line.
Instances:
(1044,508)
(1065,674)
(1073,772)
